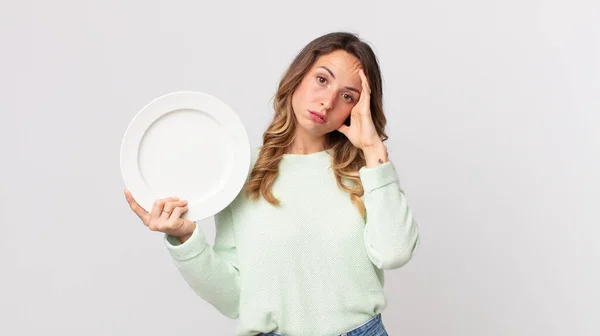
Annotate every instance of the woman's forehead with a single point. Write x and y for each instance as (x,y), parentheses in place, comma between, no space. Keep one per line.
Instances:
(339,61)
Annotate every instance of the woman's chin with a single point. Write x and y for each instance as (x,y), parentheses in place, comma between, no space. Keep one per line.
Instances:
(314,129)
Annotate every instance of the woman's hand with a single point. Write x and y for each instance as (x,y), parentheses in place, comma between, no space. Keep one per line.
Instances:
(165,216)
(361,132)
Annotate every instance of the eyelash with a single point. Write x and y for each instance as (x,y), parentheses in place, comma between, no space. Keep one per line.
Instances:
(321,77)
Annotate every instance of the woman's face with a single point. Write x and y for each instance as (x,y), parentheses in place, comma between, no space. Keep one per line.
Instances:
(331,88)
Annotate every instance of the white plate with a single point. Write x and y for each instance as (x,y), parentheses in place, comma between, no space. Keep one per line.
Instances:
(189,145)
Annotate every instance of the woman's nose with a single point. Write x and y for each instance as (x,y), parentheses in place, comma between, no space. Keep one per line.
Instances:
(328,99)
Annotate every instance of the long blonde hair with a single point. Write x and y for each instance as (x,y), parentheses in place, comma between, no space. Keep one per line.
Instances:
(347,159)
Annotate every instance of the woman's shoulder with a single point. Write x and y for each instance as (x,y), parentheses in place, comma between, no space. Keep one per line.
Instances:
(240,197)
(254,151)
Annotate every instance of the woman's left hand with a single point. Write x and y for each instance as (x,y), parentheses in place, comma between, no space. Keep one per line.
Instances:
(361,132)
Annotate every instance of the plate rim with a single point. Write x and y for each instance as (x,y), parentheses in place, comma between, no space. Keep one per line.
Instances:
(240,150)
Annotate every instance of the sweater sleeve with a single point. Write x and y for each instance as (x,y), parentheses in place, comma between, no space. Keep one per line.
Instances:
(211,271)
(391,234)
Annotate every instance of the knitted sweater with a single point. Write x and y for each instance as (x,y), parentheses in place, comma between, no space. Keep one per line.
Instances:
(312,266)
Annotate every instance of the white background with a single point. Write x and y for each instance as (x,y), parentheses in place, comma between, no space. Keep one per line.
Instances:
(494,123)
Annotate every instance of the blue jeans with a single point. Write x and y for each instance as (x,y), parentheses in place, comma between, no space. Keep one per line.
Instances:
(373,327)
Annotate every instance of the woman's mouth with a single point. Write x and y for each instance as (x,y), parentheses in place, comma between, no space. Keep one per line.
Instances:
(317,117)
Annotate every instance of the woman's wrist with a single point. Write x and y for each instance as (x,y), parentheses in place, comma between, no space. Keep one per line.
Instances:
(375,155)
(191,227)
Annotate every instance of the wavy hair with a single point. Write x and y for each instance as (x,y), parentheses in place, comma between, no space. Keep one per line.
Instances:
(347,159)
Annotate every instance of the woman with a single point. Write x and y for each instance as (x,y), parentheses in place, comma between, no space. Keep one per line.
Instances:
(302,250)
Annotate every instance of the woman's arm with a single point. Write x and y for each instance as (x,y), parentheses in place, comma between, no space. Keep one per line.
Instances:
(391,233)
(211,271)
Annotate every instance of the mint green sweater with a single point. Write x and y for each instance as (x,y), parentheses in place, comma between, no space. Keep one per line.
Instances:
(309,267)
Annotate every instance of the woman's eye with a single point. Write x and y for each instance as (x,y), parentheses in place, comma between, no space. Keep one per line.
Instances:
(321,79)
(348,97)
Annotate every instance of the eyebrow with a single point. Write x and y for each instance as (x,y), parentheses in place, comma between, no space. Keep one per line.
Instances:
(332,75)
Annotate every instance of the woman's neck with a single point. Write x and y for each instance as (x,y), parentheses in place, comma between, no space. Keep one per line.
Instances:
(306,143)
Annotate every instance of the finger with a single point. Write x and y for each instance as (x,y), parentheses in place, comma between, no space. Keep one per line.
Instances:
(365,80)
(178,211)
(137,209)
(366,90)
(176,216)
(343,129)
(363,96)
(169,207)
(165,210)
(157,208)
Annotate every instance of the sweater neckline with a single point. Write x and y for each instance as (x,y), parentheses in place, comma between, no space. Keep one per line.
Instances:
(305,162)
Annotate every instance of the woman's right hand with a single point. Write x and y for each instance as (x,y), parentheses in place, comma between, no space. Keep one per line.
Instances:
(165,216)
